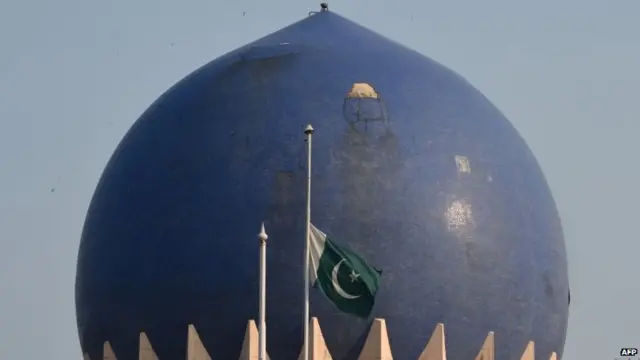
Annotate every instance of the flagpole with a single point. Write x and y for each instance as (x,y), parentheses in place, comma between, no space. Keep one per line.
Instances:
(309,132)
(262,331)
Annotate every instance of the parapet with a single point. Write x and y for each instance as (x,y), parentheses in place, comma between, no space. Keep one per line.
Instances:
(376,347)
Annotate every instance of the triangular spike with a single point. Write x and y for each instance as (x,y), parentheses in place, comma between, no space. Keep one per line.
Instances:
(107,352)
(488,348)
(377,346)
(145,350)
(529,352)
(435,349)
(195,348)
(250,343)
(554,356)
(317,347)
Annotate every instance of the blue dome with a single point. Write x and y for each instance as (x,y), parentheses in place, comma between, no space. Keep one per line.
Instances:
(413,168)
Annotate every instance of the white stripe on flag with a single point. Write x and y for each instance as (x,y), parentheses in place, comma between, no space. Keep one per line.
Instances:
(316,247)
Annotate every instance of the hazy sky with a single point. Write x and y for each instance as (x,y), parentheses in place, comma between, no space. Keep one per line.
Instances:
(74,76)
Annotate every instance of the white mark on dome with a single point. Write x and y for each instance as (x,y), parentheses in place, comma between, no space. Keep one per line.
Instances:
(362,91)
(489,178)
(462,162)
(459,216)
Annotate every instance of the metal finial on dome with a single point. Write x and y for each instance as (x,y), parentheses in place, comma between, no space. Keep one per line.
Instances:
(324,6)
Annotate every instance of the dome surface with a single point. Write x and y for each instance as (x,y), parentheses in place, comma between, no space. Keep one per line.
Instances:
(413,168)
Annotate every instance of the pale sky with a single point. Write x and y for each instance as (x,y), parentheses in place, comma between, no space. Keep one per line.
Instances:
(75,75)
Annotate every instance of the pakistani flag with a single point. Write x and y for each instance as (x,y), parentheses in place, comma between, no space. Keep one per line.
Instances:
(342,275)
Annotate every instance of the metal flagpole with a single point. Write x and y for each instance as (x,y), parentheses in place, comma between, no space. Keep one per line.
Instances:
(262,331)
(308,131)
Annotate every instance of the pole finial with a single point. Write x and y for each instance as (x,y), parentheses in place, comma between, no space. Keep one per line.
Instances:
(263,234)
(309,130)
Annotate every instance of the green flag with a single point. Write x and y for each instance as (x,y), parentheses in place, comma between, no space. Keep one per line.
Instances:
(343,276)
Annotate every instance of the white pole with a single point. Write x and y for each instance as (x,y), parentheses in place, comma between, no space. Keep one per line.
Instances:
(308,131)
(262,331)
